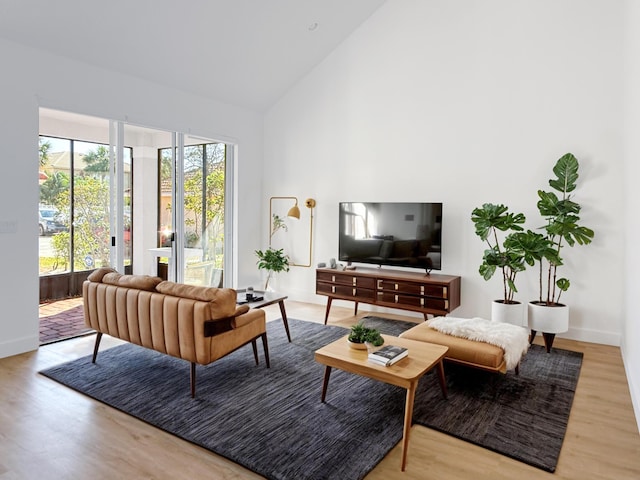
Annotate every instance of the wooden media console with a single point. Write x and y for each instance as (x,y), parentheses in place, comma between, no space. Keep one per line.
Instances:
(429,294)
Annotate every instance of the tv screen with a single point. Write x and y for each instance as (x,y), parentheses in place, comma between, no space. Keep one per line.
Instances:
(390,233)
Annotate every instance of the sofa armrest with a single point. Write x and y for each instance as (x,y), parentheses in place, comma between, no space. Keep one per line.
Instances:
(217,326)
(248,317)
(242,316)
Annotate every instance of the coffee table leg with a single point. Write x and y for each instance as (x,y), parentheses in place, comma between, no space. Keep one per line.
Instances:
(443,381)
(284,319)
(408,415)
(325,382)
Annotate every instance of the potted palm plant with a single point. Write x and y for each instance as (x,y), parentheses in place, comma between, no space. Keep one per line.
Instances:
(505,255)
(562,228)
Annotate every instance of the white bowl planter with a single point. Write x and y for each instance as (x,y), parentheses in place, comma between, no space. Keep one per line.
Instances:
(512,313)
(548,320)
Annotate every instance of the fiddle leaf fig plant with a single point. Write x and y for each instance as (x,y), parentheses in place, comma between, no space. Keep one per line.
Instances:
(562,228)
(503,254)
(273,261)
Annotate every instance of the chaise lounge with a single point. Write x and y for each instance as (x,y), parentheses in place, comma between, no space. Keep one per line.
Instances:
(499,351)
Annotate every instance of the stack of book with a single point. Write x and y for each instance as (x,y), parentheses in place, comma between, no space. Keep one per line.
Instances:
(388,355)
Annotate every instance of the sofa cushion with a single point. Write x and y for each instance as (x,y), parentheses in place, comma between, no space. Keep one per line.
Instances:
(222,300)
(140,282)
(194,292)
(468,351)
(98,274)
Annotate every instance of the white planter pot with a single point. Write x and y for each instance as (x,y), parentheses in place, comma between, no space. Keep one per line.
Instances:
(548,319)
(269,280)
(512,313)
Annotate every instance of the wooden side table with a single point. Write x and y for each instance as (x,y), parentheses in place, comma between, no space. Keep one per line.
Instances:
(268,298)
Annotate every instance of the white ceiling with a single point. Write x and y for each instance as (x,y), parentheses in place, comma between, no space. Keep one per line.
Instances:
(244,52)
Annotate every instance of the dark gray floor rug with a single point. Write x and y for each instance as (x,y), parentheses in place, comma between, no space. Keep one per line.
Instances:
(269,420)
(521,416)
(272,422)
(386,326)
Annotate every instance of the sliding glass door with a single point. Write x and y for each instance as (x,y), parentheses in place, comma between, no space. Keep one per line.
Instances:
(192,175)
(75,211)
(92,204)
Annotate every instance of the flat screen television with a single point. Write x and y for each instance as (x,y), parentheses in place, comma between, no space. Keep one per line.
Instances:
(391,233)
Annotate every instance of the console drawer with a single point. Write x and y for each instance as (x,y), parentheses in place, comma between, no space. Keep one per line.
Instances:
(439,291)
(346,291)
(413,301)
(346,279)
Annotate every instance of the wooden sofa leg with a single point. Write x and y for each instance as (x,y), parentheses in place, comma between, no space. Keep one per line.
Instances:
(96,346)
(193,379)
(266,349)
(255,351)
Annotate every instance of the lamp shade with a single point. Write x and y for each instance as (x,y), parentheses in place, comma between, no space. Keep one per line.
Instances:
(294,212)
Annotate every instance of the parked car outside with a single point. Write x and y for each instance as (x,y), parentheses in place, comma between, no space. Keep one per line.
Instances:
(49,221)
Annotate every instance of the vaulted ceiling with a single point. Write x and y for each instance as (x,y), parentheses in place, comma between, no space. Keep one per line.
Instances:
(243,52)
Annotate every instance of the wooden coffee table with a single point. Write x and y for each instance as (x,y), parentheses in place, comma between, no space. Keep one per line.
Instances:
(406,373)
(269,298)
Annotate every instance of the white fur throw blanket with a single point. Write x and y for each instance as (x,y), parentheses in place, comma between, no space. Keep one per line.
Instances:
(512,339)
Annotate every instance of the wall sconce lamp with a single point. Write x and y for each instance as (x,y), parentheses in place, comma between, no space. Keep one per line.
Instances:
(294,212)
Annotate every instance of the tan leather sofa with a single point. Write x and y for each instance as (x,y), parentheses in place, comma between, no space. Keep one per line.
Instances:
(197,324)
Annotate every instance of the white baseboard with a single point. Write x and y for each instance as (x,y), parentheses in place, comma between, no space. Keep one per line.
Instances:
(592,336)
(17,346)
(634,389)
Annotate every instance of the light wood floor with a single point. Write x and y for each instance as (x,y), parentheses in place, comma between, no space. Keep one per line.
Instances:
(48,431)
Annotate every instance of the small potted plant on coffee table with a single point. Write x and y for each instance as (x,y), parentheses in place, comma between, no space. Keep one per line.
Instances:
(360,335)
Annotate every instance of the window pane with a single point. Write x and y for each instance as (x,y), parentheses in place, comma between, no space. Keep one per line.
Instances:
(91,235)
(213,238)
(128,206)
(54,208)
(204,214)
(204,183)
(165,188)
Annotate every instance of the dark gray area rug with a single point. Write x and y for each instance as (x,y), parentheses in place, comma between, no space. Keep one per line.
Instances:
(272,421)
(521,416)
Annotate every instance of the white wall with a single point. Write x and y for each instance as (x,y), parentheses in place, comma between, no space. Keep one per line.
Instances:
(631,330)
(466,102)
(33,79)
